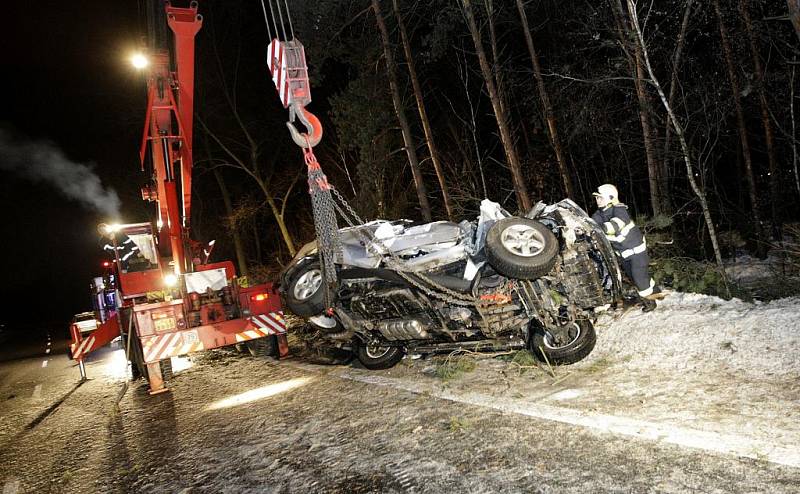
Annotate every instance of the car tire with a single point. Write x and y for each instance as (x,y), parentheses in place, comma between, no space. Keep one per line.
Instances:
(375,357)
(305,291)
(574,344)
(262,347)
(521,248)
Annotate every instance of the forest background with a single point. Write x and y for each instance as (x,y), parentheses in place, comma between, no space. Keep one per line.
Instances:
(428,107)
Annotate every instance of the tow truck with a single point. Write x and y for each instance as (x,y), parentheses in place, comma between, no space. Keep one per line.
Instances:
(160,292)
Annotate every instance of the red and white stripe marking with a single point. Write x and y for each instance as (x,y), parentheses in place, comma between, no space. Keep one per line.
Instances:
(84,347)
(278,70)
(170,345)
(272,323)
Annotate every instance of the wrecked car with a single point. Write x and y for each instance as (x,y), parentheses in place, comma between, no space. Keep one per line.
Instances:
(501,282)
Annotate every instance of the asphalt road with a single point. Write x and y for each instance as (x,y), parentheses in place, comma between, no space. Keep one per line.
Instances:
(233,423)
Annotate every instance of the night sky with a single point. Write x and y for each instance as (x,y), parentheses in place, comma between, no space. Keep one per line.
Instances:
(66,79)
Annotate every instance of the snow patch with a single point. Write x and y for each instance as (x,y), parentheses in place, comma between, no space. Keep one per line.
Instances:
(691,331)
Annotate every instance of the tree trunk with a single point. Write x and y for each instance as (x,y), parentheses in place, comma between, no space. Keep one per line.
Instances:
(408,140)
(626,35)
(523,200)
(257,242)
(774,186)
(794,15)
(653,169)
(496,72)
(237,238)
(673,90)
(679,132)
(794,130)
(544,97)
(636,63)
(423,114)
(276,213)
(252,171)
(748,164)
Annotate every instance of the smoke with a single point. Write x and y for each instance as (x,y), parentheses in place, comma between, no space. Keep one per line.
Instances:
(43,161)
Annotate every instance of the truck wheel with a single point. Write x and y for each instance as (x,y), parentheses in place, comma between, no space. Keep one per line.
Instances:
(262,347)
(376,357)
(305,293)
(566,345)
(521,248)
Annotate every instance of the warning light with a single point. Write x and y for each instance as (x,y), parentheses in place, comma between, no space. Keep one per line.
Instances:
(260,297)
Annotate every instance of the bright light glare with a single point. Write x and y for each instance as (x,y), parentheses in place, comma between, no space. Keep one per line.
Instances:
(259,393)
(112,228)
(116,366)
(170,280)
(139,61)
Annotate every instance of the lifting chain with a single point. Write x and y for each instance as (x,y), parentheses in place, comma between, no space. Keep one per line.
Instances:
(325,224)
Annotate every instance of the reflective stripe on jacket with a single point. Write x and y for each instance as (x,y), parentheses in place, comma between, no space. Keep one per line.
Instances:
(620,229)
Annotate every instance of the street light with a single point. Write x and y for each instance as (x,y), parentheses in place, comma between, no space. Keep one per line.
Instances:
(139,61)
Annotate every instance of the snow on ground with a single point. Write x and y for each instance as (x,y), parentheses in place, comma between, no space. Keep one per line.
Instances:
(701,395)
(747,269)
(692,331)
(721,375)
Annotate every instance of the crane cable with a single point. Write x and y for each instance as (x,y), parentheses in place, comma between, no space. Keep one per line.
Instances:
(279,16)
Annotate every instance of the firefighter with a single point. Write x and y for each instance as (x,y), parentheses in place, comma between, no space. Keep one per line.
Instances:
(628,241)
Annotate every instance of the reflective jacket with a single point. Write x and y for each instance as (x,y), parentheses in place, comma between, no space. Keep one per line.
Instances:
(620,229)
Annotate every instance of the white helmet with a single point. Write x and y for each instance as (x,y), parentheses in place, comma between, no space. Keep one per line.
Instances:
(605,194)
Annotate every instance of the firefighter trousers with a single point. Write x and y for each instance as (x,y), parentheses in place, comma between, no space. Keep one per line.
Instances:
(636,267)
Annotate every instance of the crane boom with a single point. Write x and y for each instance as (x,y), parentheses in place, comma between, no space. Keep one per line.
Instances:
(170,107)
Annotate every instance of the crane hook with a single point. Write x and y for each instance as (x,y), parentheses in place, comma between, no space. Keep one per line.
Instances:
(310,122)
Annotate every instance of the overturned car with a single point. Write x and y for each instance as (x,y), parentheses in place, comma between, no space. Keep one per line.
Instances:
(501,282)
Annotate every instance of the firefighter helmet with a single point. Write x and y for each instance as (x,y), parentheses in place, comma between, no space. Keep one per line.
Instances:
(606,194)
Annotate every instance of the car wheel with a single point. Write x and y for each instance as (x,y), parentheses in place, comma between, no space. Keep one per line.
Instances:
(305,293)
(262,347)
(376,357)
(565,345)
(521,248)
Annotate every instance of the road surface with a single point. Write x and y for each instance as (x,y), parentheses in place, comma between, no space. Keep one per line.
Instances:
(235,423)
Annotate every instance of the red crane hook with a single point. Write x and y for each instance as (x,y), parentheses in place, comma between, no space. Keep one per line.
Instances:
(310,122)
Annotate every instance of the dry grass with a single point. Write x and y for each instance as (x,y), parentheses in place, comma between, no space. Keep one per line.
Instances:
(454,367)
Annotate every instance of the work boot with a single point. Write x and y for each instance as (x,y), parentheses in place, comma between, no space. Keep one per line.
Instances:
(648,305)
(656,295)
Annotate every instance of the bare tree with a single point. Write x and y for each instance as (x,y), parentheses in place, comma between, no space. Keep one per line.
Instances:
(673,90)
(521,190)
(681,138)
(237,137)
(544,97)
(745,143)
(423,114)
(774,188)
(794,15)
(794,130)
(250,163)
(636,64)
(405,128)
(238,246)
